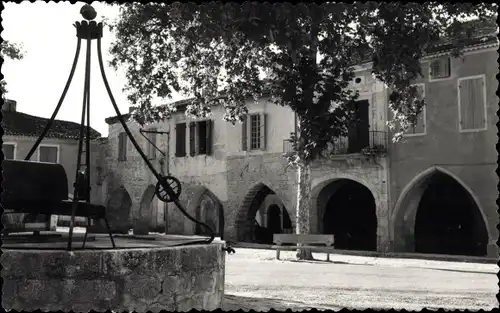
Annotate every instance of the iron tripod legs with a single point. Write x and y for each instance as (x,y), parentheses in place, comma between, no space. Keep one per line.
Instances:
(107,227)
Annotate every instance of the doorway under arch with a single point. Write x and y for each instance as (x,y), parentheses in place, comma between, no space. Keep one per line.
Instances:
(118,210)
(209,211)
(261,215)
(439,215)
(205,207)
(143,220)
(347,210)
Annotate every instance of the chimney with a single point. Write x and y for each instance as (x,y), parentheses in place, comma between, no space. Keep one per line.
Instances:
(9,105)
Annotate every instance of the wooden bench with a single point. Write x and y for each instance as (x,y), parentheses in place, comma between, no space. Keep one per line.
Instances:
(309,241)
(42,188)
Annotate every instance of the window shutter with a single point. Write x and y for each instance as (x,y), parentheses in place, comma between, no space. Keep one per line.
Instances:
(441,68)
(151,148)
(446,67)
(209,136)
(263,130)
(180,140)
(53,154)
(192,138)
(122,146)
(244,134)
(434,68)
(472,104)
(153,140)
(419,128)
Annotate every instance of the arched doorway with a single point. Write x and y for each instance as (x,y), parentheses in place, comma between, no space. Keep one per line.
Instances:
(142,222)
(448,220)
(207,211)
(438,214)
(205,207)
(118,211)
(349,213)
(261,215)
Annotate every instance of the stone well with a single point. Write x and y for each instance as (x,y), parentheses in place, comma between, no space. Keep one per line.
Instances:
(150,278)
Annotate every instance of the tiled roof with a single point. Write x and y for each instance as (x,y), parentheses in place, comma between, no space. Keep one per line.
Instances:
(22,124)
(476,41)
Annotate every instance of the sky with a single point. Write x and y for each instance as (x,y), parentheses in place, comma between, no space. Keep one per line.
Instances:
(48,37)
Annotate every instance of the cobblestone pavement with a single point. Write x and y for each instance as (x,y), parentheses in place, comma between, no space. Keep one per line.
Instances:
(256,280)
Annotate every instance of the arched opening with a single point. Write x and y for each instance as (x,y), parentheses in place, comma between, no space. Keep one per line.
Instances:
(143,219)
(118,211)
(208,211)
(261,215)
(347,210)
(277,219)
(448,220)
(437,213)
(274,218)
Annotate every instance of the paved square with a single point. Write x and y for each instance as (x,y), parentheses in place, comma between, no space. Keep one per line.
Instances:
(256,280)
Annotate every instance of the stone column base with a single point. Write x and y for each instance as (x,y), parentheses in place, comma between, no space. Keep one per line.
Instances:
(492,250)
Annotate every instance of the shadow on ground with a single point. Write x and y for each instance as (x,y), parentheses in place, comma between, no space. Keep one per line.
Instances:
(316,261)
(455,270)
(234,302)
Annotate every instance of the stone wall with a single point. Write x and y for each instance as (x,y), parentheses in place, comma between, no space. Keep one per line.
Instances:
(172,278)
(369,172)
(231,173)
(246,172)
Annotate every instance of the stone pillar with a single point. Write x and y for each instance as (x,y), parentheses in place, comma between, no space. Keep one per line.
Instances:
(492,250)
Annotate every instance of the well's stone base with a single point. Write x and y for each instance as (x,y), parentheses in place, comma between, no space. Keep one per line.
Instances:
(170,278)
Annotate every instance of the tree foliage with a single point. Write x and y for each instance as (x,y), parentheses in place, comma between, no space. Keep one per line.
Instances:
(12,51)
(302,56)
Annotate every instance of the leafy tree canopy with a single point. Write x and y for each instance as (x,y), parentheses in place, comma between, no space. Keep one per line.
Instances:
(220,54)
(12,51)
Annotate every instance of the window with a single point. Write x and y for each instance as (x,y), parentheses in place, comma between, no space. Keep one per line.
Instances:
(358,133)
(440,68)
(472,103)
(48,154)
(180,140)
(254,132)
(9,151)
(419,127)
(122,146)
(200,137)
(151,143)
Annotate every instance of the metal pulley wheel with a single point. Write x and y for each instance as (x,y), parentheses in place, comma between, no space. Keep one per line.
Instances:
(168,182)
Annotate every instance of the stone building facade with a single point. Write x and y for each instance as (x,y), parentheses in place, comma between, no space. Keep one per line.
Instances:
(367,191)
(454,149)
(245,170)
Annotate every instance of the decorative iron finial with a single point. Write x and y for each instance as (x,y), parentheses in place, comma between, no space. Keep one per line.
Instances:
(88,12)
(88,29)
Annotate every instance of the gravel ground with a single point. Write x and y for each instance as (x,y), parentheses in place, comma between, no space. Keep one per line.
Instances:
(256,280)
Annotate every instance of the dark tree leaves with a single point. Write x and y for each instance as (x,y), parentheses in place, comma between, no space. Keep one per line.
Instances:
(12,51)
(299,55)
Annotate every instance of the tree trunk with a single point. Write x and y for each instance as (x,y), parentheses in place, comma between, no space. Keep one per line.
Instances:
(303,206)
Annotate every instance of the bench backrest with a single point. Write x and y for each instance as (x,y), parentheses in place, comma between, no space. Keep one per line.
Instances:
(303,238)
(28,183)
